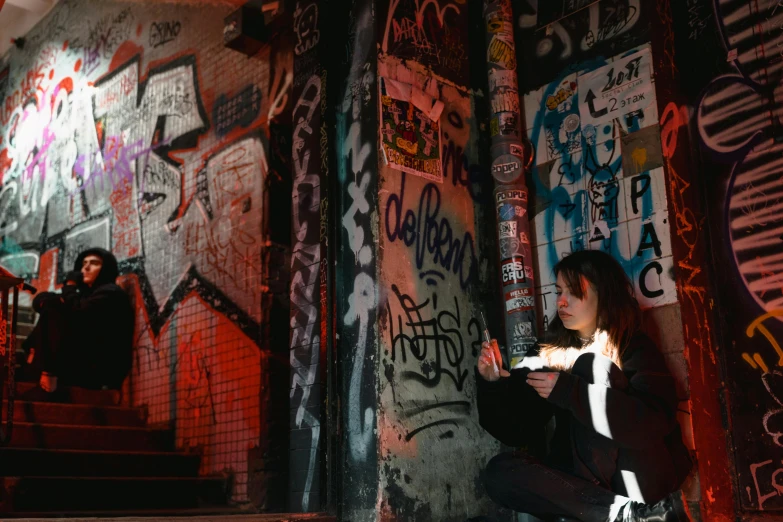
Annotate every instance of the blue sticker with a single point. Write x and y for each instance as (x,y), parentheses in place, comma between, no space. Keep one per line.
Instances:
(507,212)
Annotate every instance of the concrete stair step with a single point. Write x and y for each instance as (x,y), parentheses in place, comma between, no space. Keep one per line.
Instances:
(24,326)
(78,414)
(46,494)
(98,438)
(23,329)
(26,313)
(19,348)
(25,317)
(207,514)
(82,463)
(75,395)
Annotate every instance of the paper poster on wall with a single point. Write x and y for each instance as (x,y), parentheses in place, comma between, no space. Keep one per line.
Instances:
(616,89)
(410,130)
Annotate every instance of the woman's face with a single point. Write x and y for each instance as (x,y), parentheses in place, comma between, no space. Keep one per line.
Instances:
(577,314)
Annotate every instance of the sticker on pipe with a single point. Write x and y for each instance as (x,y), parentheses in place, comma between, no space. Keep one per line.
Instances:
(506,168)
(522,330)
(519,300)
(507,211)
(512,194)
(507,229)
(509,247)
(515,272)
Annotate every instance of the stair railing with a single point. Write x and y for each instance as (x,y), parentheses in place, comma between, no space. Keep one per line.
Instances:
(8,283)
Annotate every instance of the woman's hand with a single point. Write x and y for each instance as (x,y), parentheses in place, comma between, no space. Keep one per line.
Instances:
(543,382)
(490,363)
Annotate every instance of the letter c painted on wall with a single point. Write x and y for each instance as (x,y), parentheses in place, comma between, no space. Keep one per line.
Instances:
(643,275)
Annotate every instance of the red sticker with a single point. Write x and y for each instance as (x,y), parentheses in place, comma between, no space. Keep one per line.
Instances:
(513,271)
(519,300)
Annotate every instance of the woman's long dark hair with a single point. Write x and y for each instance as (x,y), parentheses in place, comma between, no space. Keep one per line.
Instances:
(619,315)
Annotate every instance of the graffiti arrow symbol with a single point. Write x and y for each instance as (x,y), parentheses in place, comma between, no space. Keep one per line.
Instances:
(590,98)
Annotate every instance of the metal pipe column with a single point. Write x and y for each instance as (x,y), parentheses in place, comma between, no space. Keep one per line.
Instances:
(511,154)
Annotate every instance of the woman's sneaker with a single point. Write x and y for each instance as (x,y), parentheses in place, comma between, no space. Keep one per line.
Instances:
(671,509)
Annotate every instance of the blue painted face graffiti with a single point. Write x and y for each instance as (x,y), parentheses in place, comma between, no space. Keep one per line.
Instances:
(585,199)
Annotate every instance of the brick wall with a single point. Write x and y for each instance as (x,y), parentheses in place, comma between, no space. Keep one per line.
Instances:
(129,126)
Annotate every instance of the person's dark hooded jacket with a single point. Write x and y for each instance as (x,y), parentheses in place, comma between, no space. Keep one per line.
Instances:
(101,320)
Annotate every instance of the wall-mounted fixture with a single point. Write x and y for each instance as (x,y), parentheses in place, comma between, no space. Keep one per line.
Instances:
(250,27)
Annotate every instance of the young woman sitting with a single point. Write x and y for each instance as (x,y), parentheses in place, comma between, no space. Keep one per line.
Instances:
(616,454)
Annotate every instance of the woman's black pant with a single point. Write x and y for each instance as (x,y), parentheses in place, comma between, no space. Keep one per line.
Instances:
(524,484)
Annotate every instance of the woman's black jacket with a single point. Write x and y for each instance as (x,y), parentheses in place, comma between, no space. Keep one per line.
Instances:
(642,418)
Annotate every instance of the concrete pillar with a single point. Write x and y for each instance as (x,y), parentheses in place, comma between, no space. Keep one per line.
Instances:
(357,262)
(413,263)
(309,310)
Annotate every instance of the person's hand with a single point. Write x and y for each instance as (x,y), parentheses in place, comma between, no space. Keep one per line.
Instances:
(48,382)
(543,382)
(73,277)
(490,363)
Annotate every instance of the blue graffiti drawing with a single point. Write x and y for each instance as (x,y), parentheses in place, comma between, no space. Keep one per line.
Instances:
(578,189)
(432,234)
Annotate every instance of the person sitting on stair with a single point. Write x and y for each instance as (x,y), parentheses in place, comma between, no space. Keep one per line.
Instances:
(84,335)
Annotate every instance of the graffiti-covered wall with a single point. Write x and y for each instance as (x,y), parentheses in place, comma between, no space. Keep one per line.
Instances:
(130,127)
(558,36)
(599,181)
(309,261)
(731,64)
(434,272)
(356,293)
